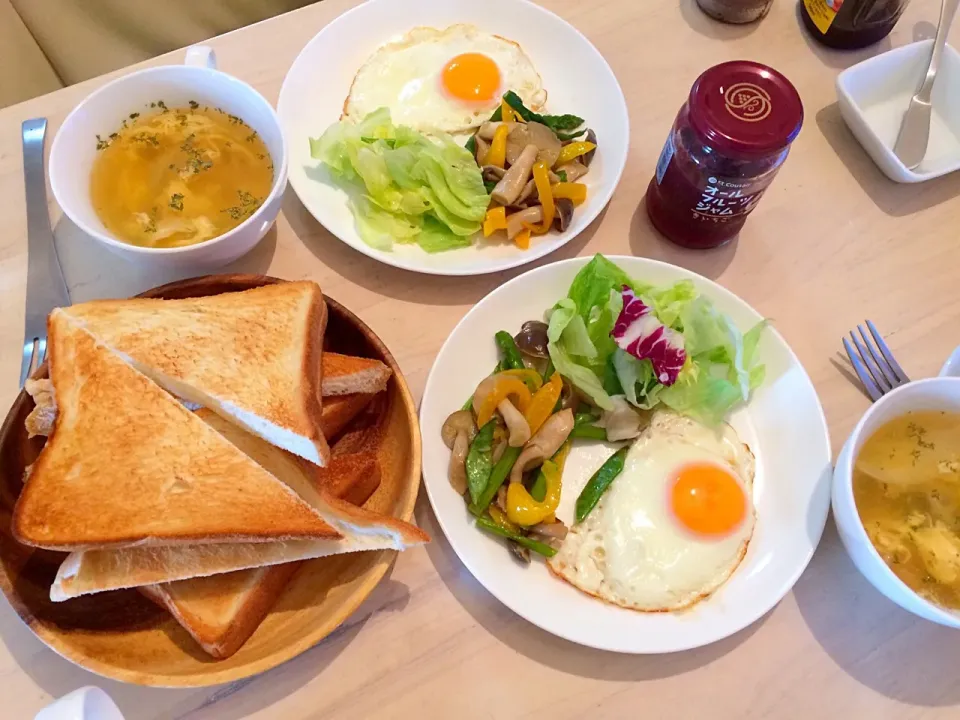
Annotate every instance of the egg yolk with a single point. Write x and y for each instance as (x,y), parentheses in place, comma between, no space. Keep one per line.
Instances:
(707,499)
(471,77)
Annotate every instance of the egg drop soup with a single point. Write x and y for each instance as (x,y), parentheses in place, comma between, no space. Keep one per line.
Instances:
(906,484)
(179,176)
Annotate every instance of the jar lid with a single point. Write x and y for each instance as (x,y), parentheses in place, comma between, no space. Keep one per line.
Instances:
(745,108)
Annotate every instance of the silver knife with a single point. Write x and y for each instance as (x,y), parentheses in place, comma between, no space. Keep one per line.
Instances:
(46,288)
(911,145)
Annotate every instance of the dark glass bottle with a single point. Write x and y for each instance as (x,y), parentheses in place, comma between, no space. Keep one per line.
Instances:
(850,24)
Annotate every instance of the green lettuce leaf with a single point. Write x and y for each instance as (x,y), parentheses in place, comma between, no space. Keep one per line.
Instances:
(379,228)
(583,378)
(559,317)
(593,284)
(670,302)
(600,321)
(436,237)
(722,367)
(702,396)
(638,380)
(402,184)
(575,339)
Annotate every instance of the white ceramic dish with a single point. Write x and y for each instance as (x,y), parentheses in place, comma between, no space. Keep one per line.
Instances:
(74,150)
(86,703)
(575,75)
(791,490)
(939,393)
(874,94)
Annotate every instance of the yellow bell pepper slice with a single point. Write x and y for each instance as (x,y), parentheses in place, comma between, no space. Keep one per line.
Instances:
(523,510)
(495,219)
(507,113)
(560,460)
(522,239)
(574,150)
(501,387)
(541,177)
(542,403)
(577,192)
(497,154)
(501,519)
(531,378)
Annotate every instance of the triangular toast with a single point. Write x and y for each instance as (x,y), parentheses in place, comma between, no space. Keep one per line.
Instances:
(345,375)
(221,611)
(128,464)
(98,570)
(252,357)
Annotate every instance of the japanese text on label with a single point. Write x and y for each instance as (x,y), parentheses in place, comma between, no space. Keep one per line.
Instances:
(720,201)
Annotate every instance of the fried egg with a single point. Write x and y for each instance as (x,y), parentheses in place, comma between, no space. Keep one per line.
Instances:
(450,80)
(674,524)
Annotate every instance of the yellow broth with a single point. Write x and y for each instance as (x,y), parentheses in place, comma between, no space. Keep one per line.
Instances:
(179,176)
(906,484)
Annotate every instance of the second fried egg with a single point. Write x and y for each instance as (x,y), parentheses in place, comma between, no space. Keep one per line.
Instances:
(449,80)
(674,525)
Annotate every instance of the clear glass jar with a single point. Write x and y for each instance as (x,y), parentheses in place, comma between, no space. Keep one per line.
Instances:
(736,12)
(724,149)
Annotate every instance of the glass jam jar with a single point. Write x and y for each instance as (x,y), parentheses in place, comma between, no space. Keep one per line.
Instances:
(736,12)
(726,145)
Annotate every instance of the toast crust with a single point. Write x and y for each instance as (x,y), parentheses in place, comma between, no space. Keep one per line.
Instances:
(345,375)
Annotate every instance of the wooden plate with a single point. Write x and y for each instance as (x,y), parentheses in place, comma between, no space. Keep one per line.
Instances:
(124,636)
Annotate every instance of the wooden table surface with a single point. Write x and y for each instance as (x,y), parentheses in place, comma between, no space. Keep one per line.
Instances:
(832,242)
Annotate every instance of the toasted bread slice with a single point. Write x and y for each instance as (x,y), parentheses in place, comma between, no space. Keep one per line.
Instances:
(95,571)
(352,478)
(249,356)
(128,464)
(336,414)
(221,611)
(345,375)
(98,570)
(364,432)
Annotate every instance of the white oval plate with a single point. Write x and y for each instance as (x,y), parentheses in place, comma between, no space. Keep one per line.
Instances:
(783,424)
(575,75)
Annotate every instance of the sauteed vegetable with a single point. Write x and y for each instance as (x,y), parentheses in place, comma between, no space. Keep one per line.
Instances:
(531,164)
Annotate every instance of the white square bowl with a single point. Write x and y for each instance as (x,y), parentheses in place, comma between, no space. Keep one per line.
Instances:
(875,93)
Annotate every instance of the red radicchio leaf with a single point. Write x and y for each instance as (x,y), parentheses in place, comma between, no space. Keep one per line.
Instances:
(639,333)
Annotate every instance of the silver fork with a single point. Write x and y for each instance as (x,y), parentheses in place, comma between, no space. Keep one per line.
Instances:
(46,288)
(876,367)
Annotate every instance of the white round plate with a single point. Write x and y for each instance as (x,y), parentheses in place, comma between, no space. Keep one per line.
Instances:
(575,75)
(783,424)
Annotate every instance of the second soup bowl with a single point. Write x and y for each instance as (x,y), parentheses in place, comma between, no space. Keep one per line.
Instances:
(939,393)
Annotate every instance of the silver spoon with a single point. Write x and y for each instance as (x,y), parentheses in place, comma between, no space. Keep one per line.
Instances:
(911,145)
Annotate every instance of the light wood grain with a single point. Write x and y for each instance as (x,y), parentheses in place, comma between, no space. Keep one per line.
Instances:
(833,241)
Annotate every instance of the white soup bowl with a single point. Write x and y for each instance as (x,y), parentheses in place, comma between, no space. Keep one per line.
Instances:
(75,147)
(939,393)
